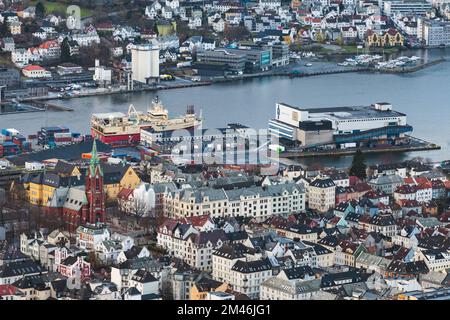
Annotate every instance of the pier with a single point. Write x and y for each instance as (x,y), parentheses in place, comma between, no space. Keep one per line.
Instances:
(415,68)
(44,106)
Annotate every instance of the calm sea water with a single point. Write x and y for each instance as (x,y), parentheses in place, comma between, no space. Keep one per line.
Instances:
(424,96)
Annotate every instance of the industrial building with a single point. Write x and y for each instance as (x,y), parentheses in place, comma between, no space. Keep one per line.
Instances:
(102,75)
(339,127)
(145,63)
(9,76)
(220,60)
(236,60)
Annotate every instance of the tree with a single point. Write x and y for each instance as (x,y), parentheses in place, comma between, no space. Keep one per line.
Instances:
(358,168)
(139,208)
(40,10)
(65,50)
(4,30)
(320,37)
(237,33)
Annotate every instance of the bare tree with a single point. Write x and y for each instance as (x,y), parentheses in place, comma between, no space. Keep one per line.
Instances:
(139,208)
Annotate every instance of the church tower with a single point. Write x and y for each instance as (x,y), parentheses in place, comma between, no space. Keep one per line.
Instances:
(95,191)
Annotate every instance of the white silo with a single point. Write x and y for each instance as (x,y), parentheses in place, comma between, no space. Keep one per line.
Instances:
(154,61)
(145,63)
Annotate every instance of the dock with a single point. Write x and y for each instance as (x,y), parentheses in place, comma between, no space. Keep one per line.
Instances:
(415,68)
(44,106)
(421,145)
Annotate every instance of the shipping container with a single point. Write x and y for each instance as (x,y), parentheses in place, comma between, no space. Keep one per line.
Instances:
(12,132)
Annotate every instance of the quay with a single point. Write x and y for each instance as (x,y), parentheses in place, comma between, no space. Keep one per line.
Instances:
(44,106)
(122,91)
(412,68)
(424,146)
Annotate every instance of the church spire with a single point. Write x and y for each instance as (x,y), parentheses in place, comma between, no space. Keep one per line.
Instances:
(95,161)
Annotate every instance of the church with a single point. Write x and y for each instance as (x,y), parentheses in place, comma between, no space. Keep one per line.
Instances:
(86,204)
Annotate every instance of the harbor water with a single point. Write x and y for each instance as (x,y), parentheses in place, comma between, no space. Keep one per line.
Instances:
(423,95)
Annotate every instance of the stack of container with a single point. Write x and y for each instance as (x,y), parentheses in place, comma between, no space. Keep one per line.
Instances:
(10,149)
(62,138)
(47,134)
(12,143)
(26,146)
(19,140)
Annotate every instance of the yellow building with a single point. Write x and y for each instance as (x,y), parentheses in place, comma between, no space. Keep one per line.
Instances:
(165,28)
(391,38)
(42,186)
(118,177)
(66,169)
(201,288)
(15,28)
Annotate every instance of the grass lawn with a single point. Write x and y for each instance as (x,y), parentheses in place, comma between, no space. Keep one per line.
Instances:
(353,49)
(51,7)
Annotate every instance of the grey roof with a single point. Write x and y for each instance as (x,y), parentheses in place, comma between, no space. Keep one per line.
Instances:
(298,272)
(387,179)
(199,194)
(143,276)
(76,198)
(58,197)
(146,263)
(233,251)
(19,268)
(252,266)
(163,187)
(335,279)
(322,183)
(213,236)
(292,288)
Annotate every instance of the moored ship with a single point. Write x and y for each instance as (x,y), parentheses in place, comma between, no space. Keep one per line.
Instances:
(119,129)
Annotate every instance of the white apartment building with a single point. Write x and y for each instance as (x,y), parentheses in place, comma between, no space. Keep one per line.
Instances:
(276,288)
(20,57)
(185,242)
(86,39)
(242,268)
(89,236)
(257,202)
(321,194)
(433,32)
(436,260)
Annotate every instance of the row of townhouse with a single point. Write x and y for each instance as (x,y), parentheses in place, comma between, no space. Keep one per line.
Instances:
(257,202)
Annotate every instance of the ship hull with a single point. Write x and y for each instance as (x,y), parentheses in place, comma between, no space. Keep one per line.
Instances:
(117,139)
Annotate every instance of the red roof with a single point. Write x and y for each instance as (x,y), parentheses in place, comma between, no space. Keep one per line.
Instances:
(7,290)
(198,221)
(125,193)
(392,32)
(33,68)
(48,44)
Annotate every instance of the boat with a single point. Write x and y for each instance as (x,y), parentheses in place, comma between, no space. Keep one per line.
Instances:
(308,64)
(120,129)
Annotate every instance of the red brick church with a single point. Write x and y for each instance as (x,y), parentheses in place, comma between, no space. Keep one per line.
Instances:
(86,205)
